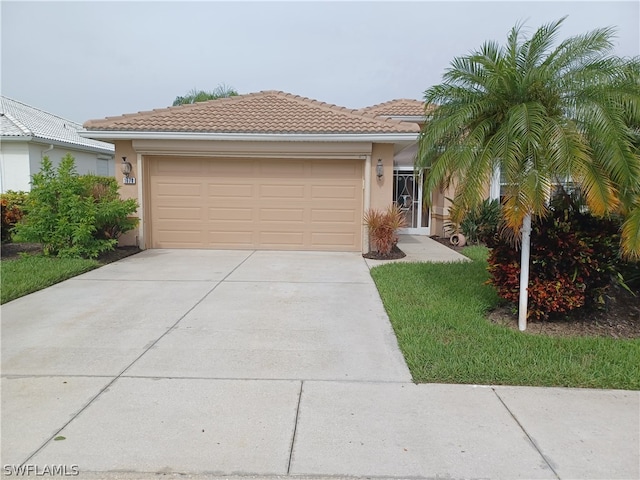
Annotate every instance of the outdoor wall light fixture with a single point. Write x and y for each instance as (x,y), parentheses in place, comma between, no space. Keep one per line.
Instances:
(379,169)
(126,167)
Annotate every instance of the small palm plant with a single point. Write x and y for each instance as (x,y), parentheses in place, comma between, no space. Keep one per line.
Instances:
(383,227)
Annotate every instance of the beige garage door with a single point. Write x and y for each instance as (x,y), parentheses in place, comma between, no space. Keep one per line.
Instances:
(255,203)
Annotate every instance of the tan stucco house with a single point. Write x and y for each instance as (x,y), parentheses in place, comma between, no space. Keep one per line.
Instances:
(267,170)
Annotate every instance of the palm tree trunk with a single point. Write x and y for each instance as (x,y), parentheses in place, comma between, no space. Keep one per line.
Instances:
(524,272)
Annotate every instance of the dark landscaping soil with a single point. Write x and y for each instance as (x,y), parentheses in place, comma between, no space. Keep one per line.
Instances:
(395,254)
(445,241)
(618,318)
(13,250)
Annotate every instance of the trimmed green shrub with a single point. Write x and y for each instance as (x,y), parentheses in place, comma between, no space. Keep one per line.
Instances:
(481,223)
(68,214)
(574,258)
(112,215)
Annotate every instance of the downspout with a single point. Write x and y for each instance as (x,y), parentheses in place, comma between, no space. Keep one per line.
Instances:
(367,202)
(42,153)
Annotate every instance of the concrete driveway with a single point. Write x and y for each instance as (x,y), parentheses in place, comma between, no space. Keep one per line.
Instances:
(212,363)
(209,314)
(152,320)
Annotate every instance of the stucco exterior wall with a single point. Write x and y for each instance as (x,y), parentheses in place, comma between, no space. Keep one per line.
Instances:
(124,148)
(382,188)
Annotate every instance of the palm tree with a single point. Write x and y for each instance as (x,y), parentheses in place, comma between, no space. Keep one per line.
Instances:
(538,114)
(195,95)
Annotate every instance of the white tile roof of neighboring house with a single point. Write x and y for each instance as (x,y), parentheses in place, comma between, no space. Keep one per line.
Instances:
(20,120)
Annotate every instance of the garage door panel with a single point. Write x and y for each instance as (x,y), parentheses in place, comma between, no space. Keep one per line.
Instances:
(230,190)
(334,216)
(230,239)
(347,192)
(230,214)
(278,169)
(177,189)
(256,203)
(280,238)
(179,213)
(238,168)
(179,167)
(282,214)
(333,239)
(182,236)
(282,191)
(336,170)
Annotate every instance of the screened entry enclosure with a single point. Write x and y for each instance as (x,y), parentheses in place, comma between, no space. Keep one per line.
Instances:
(407,195)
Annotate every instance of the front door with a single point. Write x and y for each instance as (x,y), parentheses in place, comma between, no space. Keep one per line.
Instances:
(407,194)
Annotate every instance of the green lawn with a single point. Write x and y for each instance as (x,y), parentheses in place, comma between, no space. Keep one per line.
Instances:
(438,314)
(31,273)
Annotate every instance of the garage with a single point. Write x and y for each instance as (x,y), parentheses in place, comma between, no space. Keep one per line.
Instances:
(255,203)
(261,171)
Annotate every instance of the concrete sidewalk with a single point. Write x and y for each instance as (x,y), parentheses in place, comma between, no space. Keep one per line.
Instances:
(269,365)
(420,248)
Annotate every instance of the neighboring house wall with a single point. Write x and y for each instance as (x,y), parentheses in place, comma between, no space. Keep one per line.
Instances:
(20,160)
(86,162)
(14,166)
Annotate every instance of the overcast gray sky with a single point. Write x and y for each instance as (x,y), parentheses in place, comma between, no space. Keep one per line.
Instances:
(84,60)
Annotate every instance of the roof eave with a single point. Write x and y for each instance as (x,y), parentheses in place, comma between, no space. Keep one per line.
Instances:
(72,145)
(16,138)
(255,137)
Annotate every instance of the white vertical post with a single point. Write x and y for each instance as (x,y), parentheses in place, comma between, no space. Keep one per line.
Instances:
(494,189)
(524,272)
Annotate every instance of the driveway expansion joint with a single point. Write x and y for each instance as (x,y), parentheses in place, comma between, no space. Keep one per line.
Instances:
(295,429)
(531,440)
(142,280)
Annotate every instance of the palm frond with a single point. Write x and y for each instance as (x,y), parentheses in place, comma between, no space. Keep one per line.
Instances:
(538,113)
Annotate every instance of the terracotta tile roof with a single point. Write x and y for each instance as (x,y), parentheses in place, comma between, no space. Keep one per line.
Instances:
(267,112)
(402,107)
(19,120)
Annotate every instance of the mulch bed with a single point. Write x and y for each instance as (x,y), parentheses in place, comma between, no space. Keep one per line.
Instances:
(618,318)
(395,254)
(445,241)
(14,250)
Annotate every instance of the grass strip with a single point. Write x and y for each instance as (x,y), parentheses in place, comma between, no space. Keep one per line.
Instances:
(438,312)
(30,273)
